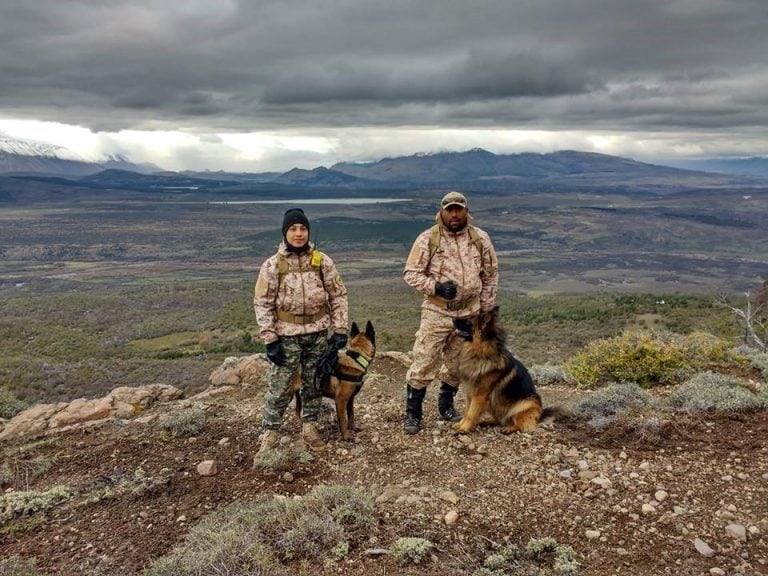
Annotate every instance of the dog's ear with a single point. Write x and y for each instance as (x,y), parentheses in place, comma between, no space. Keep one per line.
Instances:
(495,311)
(370,332)
(355,330)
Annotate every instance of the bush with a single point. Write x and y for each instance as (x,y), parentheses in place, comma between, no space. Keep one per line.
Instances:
(410,550)
(756,359)
(548,374)
(10,404)
(710,392)
(605,405)
(25,503)
(282,458)
(541,556)
(187,422)
(630,357)
(256,537)
(17,566)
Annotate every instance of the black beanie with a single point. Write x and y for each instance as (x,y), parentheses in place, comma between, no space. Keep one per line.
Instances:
(294,216)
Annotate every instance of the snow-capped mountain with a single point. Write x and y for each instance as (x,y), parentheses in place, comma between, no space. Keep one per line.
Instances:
(28,157)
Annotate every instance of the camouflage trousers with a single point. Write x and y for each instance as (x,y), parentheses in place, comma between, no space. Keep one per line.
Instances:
(435,351)
(301,353)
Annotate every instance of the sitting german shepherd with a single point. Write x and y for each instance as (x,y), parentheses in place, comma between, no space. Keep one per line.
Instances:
(347,378)
(499,388)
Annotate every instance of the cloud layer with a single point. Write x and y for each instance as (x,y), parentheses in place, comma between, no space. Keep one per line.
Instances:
(693,69)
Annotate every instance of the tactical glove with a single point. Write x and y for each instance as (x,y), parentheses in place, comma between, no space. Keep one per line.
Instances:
(337,340)
(276,353)
(446,290)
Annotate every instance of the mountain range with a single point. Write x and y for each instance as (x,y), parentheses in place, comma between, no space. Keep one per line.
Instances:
(477,169)
(25,157)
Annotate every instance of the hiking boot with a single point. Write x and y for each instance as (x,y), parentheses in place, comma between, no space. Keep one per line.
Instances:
(445,403)
(269,440)
(311,436)
(413,409)
(412,425)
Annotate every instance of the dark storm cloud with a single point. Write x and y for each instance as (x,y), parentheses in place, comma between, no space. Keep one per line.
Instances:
(218,65)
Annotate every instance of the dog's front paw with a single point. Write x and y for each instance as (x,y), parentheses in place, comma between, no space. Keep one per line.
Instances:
(348,437)
(462,428)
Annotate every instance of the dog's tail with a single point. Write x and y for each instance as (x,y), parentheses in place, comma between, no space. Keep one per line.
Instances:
(551,412)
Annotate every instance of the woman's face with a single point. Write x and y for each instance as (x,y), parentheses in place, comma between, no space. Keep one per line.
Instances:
(297,235)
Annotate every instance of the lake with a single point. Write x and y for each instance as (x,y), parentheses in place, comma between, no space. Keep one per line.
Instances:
(317,201)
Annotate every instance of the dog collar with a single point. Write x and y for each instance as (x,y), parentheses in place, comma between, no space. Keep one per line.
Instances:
(359,359)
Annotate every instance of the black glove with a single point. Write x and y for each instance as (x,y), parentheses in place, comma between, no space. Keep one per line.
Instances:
(337,340)
(446,290)
(463,327)
(276,353)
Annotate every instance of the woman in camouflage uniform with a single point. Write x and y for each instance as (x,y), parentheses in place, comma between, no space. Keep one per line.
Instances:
(299,295)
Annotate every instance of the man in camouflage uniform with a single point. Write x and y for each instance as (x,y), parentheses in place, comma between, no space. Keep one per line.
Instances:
(298,296)
(454,265)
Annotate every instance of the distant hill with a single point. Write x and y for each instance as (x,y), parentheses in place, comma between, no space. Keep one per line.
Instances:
(21,157)
(321,177)
(756,166)
(479,164)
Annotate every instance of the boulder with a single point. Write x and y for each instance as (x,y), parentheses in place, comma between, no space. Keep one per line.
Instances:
(237,371)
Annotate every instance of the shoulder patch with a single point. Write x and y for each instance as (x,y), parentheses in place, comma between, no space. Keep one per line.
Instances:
(262,286)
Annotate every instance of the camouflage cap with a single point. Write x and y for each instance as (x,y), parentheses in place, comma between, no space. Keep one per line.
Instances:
(452,198)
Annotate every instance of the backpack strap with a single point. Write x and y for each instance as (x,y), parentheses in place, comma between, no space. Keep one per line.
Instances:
(315,265)
(434,240)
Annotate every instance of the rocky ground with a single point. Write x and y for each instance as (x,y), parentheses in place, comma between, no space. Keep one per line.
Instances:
(685,497)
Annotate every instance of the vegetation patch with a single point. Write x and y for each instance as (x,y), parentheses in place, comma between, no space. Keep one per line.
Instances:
(410,550)
(188,422)
(17,566)
(542,556)
(283,458)
(604,406)
(30,502)
(10,404)
(710,392)
(262,536)
(649,358)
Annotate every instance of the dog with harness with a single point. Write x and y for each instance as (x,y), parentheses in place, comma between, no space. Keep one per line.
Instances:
(342,379)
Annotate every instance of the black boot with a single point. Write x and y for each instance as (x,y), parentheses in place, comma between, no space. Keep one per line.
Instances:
(445,403)
(413,409)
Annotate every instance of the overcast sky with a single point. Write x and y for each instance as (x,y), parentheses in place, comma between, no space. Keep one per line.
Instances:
(269,85)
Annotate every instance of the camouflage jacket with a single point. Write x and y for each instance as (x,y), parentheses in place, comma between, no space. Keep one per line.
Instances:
(457,258)
(317,298)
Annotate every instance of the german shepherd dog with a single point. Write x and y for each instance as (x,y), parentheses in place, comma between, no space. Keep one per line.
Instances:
(499,388)
(347,379)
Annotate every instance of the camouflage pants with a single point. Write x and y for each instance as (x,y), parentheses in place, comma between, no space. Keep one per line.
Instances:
(301,352)
(435,351)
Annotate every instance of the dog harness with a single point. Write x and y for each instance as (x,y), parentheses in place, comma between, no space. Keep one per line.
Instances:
(361,361)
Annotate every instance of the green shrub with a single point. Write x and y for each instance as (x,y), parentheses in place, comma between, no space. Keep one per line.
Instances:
(188,422)
(410,550)
(710,392)
(557,558)
(756,359)
(283,458)
(541,556)
(605,405)
(258,536)
(25,503)
(17,566)
(22,471)
(10,404)
(643,358)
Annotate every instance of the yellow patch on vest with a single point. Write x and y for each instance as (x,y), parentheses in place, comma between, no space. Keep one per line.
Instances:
(338,280)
